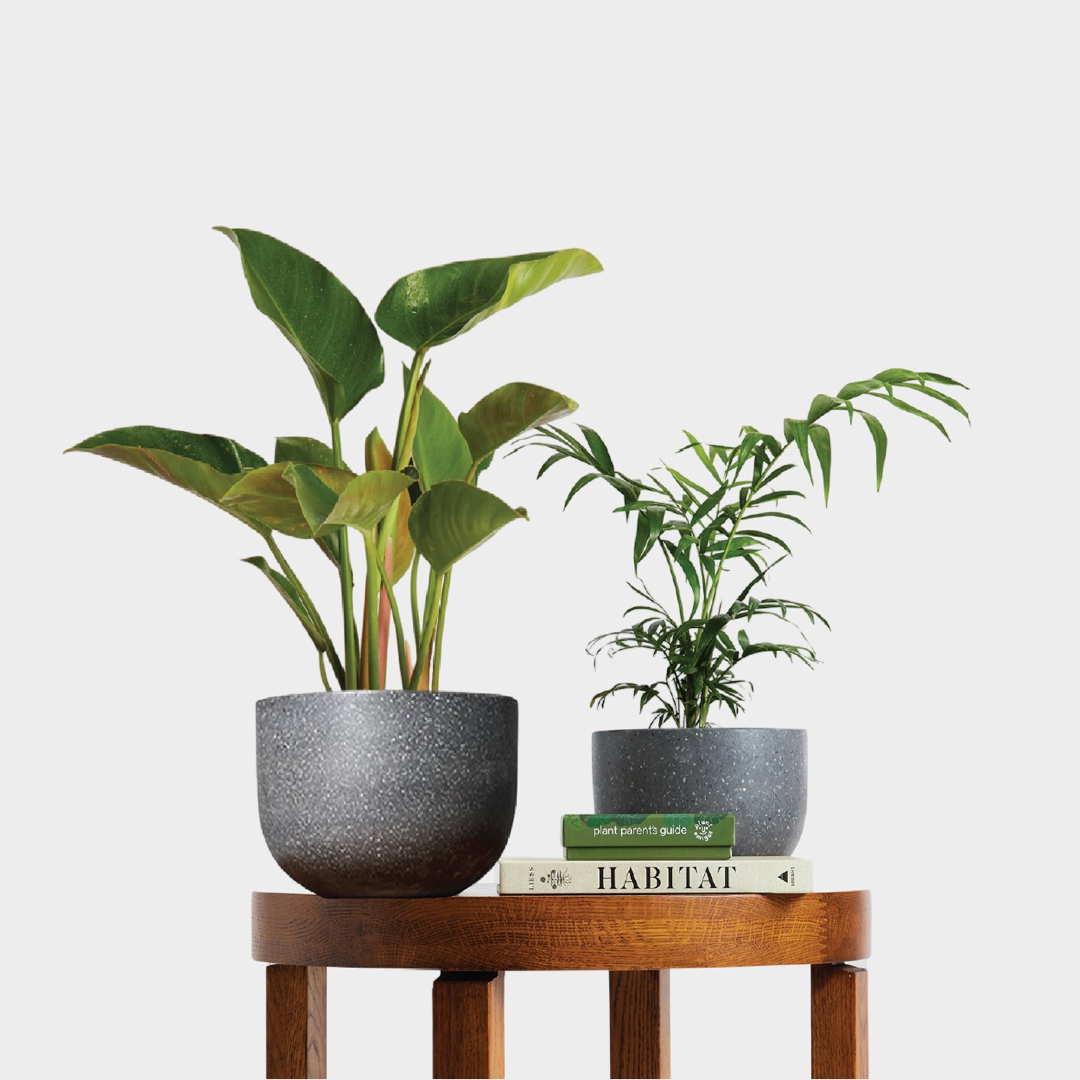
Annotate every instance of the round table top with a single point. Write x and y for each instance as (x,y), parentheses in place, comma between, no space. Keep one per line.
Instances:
(483,931)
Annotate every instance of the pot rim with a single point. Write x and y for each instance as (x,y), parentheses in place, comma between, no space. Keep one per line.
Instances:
(667,731)
(432,695)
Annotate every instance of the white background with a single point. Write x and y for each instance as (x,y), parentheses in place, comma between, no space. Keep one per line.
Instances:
(785,197)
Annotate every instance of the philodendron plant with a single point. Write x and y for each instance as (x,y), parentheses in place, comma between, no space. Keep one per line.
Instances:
(706,529)
(419,495)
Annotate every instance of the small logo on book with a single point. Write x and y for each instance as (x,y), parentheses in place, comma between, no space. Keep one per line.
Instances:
(703,831)
(557,878)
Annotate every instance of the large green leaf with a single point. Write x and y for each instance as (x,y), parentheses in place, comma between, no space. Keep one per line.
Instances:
(317,314)
(508,412)
(452,518)
(367,499)
(305,451)
(434,306)
(206,465)
(317,500)
(439,448)
(268,496)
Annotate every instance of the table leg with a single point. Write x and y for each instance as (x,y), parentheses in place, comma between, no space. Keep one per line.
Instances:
(467,1009)
(295,1022)
(640,1003)
(838,1022)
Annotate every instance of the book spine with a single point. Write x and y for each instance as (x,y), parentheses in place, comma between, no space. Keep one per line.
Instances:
(746,874)
(648,830)
(636,854)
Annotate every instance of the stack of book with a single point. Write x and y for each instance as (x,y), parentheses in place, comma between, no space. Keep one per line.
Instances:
(653,853)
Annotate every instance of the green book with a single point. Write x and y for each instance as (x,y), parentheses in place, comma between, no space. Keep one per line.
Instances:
(702,830)
(645,854)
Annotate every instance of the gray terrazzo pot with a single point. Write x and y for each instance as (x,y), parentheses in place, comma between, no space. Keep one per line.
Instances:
(757,774)
(386,792)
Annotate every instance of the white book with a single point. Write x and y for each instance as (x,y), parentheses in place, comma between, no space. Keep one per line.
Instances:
(700,877)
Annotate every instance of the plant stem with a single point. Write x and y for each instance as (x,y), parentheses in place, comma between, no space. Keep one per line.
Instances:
(439,633)
(288,571)
(403,441)
(351,682)
(322,671)
(429,598)
(399,630)
(675,582)
(373,587)
(430,617)
(414,575)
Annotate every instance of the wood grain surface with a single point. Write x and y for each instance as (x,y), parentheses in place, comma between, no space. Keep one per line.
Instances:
(467,1033)
(295,1022)
(561,933)
(640,1005)
(839,1046)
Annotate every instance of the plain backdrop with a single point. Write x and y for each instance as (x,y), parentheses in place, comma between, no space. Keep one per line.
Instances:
(785,197)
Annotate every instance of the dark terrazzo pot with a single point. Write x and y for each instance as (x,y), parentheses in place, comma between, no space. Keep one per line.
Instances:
(386,792)
(758,774)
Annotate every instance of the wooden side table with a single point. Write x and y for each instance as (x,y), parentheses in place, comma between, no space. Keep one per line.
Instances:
(473,939)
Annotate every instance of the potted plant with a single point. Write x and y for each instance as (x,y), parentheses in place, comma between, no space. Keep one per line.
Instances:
(364,790)
(703,532)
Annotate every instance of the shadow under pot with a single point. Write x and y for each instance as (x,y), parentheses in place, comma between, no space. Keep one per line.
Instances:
(757,774)
(386,792)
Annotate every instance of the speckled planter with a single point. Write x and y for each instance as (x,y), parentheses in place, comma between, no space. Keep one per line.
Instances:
(758,774)
(386,792)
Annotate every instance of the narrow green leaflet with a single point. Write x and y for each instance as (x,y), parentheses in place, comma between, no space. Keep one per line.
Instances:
(649,524)
(931,376)
(854,389)
(598,448)
(937,395)
(898,375)
(292,598)
(819,436)
(302,450)
(205,465)
(822,404)
(689,573)
(702,455)
(510,411)
(453,518)
(903,406)
(439,449)
(880,442)
(317,314)
(367,499)
(580,483)
(267,495)
(771,537)
(798,432)
(433,306)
